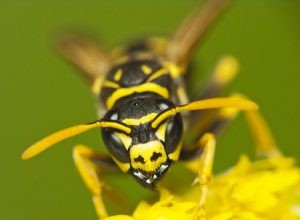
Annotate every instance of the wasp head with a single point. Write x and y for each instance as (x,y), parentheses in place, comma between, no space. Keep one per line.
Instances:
(146,153)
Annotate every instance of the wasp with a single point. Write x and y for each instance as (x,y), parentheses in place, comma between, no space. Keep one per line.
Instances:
(144,110)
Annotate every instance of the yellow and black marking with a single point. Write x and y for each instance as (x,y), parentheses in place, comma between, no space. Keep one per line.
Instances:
(134,78)
(141,97)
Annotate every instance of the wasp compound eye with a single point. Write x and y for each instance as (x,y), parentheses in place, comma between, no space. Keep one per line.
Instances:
(173,134)
(115,145)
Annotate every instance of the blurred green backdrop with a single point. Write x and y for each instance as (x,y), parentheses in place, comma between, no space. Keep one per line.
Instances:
(41,93)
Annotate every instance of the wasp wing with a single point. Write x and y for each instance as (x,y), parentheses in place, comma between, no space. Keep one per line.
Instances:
(86,55)
(192,30)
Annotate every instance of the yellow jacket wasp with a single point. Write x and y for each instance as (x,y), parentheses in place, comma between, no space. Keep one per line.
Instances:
(143,106)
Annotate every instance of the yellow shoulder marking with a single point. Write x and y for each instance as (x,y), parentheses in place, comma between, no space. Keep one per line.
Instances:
(111,84)
(146,69)
(146,87)
(142,120)
(157,74)
(118,75)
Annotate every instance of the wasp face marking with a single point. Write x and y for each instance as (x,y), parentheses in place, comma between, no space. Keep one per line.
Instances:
(155,156)
(139,159)
(147,156)
(149,162)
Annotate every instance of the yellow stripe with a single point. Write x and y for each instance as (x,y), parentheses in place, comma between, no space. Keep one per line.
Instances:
(161,132)
(111,84)
(116,125)
(146,87)
(146,69)
(158,74)
(118,75)
(142,120)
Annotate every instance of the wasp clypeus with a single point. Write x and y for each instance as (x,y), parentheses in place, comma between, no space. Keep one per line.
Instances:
(144,109)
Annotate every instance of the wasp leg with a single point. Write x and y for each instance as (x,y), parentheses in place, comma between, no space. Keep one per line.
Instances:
(223,74)
(216,120)
(89,164)
(265,144)
(215,123)
(203,168)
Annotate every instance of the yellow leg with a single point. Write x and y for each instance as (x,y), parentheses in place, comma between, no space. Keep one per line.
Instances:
(203,168)
(213,123)
(264,141)
(225,71)
(207,142)
(88,163)
(265,144)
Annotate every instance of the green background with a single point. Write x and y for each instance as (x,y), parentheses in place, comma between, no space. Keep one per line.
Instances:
(41,93)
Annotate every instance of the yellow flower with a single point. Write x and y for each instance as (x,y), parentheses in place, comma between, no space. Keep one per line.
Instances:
(264,189)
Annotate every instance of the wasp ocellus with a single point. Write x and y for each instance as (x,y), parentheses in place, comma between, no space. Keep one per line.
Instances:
(144,109)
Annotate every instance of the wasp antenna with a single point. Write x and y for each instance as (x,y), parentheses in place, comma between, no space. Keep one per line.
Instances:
(116,125)
(230,102)
(56,137)
(191,31)
(61,135)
